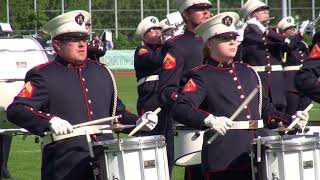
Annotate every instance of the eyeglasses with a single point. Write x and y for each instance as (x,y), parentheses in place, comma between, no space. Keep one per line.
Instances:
(154,29)
(226,38)
(74,39)
(200,8)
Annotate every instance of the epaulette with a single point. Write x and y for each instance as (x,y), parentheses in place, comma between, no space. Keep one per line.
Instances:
(97,62)
(175,38)
(195,69)
(40,66)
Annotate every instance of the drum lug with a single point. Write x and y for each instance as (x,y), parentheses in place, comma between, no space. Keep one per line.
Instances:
(275,177)
(197,134)
(259,149)
(115,178)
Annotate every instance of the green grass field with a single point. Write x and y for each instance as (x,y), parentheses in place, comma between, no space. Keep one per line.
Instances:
(24,161)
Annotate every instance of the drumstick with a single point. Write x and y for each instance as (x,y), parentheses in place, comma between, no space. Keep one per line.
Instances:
(144,122)
(238,111)
(297,119)
(98,121)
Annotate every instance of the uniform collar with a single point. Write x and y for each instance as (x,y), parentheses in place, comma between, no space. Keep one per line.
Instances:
(70,65)
(190,33)
(218,64)
(154,46)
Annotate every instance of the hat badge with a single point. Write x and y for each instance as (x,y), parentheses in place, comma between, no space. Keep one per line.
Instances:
(79,19)
(289,20)
(153,20)
(227,20)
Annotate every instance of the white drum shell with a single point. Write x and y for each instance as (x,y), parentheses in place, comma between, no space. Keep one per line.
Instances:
(17,56)
(187,146)
(141,158)
(296,158)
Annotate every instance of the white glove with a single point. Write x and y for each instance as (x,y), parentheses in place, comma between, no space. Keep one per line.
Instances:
(303,116)
(303,27)
(241,32)
(60,126)
(220,124)
(258,24)
(151,118)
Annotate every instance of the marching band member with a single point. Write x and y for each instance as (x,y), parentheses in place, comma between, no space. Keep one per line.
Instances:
(180,54)
(168,31)
(307,79)
(292,61)
(213,93)
(147,64)
(261,48)
(69,90)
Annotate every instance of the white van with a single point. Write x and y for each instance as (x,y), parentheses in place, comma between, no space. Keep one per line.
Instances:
(17,56)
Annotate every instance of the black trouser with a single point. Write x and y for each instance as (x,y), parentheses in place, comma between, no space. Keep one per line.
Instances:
(228,175)
(6,144)
(193,172)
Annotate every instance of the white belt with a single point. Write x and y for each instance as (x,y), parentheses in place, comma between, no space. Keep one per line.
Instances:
(148,78)
(251,124)
(292,68)
(82,131)
(267,68)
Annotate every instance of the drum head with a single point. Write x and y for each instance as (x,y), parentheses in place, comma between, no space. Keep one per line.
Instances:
(189,159)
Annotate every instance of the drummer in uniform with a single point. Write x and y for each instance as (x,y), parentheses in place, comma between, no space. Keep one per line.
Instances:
(292,61)
(261,48)
(180,54)
(213,93)
(307,79)
(67,91)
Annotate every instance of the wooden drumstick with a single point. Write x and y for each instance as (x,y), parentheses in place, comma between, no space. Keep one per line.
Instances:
(238,111)
(144,122)
(98,121)
(298,119)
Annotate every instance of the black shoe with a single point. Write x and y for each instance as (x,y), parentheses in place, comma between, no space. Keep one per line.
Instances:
(6,174)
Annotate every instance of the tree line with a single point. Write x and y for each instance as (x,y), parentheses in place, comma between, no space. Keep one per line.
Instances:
(26,20)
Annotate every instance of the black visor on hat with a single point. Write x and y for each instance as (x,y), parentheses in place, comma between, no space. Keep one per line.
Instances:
(71,35)
(226,36)
(200,7)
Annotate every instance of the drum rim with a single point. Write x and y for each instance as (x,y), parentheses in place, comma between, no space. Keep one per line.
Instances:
(132,143)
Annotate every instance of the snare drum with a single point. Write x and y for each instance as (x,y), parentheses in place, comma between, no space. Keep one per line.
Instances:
(140,158)
(187,146)
(289,157)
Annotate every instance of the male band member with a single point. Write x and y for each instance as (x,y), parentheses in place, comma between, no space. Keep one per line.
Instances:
(69,90)
(292,61)
(308,78)
(261,48)
(147,64)
(213,93)
(167,30)
(181,54)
